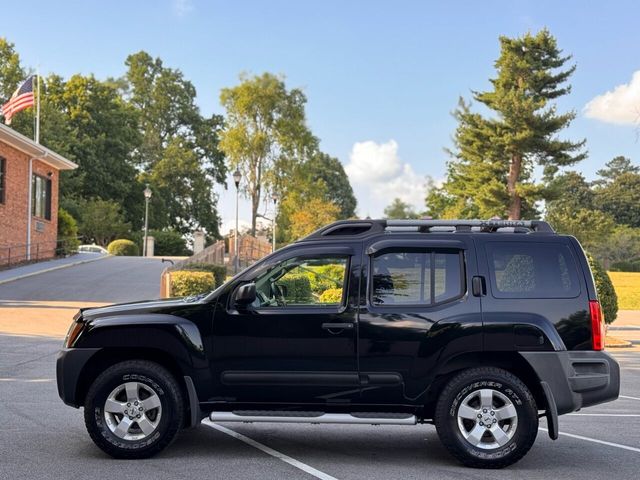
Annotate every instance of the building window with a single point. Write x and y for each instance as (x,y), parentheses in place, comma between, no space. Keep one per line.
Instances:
(41,197)
(3,179)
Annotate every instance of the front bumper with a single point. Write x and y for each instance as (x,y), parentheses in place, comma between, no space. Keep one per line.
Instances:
(69,366)
(577,379)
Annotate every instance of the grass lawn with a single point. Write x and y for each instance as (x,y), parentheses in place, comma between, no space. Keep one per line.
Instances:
(627,285)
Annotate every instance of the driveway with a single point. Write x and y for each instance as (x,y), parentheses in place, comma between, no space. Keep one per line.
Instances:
(113,279)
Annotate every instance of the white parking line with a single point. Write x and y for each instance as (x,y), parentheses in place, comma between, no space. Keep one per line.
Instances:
(595,440)
(628,398)
(604,415)
(270,451)
(27,380)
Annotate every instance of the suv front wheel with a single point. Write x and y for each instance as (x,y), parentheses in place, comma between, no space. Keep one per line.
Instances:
(487,418)
(134,409)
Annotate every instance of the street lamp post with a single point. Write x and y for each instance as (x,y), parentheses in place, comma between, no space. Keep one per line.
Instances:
(237,176)
(147,197)
(274,197)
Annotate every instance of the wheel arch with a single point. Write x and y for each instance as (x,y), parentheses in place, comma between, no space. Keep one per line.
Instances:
(108,357)
(512,362)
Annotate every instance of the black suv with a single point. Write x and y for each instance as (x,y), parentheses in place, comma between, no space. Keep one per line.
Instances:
(478,327)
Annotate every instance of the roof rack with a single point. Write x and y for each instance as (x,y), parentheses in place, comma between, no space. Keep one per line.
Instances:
(368,227)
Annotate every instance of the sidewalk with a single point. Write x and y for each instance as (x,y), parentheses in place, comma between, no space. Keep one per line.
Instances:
(49,265)
(625,319)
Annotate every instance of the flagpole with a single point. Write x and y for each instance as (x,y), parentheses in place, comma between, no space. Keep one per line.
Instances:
(30,178)
(37,130)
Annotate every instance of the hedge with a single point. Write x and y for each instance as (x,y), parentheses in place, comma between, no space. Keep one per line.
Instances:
(606,292)
(219,271)
(332,295)
(123,247)
(298,288)
(185,283)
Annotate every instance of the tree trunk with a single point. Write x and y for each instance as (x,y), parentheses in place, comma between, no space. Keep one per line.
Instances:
(515,202)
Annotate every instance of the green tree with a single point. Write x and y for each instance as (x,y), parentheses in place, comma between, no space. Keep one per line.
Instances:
(102,221)
(400,210)
(302,212)
(265,134)
(620,198)
(616,167)
(492,165)
(67,232)
(570,191)
(11,71)
(339,191)
(590,227)
(621,246)
(174,130)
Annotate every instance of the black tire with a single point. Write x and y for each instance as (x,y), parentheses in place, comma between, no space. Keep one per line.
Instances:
(147,375)
(462,387)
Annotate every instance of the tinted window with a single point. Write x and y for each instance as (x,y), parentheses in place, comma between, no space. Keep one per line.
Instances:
(532,270)
(409,277)
(303,281)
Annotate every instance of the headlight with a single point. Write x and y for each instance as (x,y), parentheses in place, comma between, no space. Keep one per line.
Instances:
(72,335)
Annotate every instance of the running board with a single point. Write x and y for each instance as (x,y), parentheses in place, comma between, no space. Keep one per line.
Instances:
(312,417)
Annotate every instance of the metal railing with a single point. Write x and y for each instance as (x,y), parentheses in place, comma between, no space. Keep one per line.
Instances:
(20,254)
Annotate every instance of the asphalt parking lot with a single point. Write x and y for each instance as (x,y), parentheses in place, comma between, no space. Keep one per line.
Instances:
(42,438)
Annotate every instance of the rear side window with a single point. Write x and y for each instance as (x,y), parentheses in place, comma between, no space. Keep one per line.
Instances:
(410,277)
(532,270)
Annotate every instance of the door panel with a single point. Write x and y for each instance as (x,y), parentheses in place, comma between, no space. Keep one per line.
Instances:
(430,316)
(283,352)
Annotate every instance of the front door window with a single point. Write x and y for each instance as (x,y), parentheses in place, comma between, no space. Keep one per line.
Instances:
(303,282)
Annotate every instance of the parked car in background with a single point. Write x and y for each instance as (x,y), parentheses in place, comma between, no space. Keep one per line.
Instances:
(477,327)
(92,249)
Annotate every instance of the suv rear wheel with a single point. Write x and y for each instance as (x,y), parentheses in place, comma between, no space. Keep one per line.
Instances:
(134,409)
(487,418)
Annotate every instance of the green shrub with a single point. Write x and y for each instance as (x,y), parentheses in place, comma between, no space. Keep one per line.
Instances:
(123,247)
(625,267)
(67,233)
(298,288)
(219,271)
(332,295)
(185,283)
(606,292)
(325,277)
(169,243)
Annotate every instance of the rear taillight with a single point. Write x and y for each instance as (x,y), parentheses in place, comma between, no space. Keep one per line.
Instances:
(597,325)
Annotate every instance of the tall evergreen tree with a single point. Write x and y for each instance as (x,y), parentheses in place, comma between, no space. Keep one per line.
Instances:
(492,167)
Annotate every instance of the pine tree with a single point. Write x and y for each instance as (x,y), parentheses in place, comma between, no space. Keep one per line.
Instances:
(491,172)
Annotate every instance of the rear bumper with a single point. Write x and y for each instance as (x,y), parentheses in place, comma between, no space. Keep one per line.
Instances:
(577,379)
(69,366)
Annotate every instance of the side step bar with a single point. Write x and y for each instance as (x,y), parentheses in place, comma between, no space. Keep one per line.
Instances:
(312,417)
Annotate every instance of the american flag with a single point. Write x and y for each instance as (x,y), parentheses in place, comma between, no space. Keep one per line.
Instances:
(21,99)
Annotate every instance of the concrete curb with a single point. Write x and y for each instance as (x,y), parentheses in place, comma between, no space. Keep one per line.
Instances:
(59,267)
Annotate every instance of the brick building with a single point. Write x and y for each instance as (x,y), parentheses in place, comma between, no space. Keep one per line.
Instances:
(29,175)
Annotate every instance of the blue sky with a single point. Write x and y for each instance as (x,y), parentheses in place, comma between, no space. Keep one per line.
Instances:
(381,77)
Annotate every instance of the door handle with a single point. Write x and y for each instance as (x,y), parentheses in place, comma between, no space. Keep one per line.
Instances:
(478,286)
(337,326)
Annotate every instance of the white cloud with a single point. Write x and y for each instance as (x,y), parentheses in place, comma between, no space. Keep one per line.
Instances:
(620,105)
(378,175)
(182,7)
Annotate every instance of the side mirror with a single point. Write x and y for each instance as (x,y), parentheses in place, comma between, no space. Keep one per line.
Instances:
(246,294)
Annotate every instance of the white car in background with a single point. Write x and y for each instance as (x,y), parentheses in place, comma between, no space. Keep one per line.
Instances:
(92,249)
